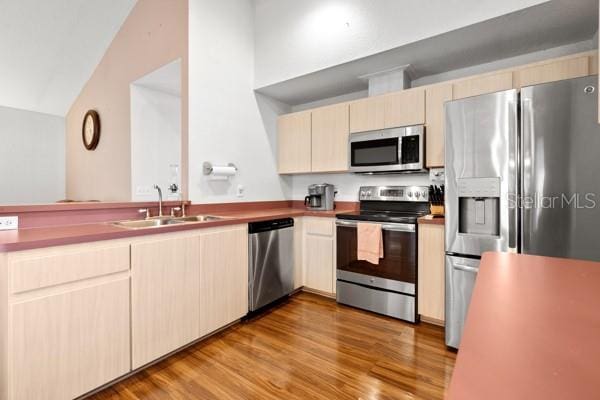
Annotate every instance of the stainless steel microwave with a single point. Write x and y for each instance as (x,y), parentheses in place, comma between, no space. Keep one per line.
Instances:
(388,150)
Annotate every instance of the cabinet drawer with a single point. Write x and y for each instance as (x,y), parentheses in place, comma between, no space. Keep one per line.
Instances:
(318,226)
(35,269)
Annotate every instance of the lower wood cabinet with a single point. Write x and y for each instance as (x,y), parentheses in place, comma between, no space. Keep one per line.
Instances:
(298,252)
(184,286)
(431,286)
(165,295)
(319,254)
(67,343)
(223,277)
(64,320)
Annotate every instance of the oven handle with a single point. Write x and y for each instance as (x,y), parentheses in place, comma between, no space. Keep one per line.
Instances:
(387,226)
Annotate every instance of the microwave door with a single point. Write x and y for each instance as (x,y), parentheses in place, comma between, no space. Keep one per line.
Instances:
(375,153)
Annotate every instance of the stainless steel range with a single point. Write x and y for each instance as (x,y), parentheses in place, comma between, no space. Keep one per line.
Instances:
(390,287)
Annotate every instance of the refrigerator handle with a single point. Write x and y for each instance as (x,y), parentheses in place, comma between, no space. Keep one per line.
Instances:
(513,176)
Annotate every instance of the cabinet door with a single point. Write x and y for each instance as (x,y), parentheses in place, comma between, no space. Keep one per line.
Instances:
(367,114)
(66,344)
(435,96)
(319,266)
(223,277)
(294,142)
(404,108)
(165,278)
(431,272)
(298,253)
(552,71)
(482,85)
(330,131)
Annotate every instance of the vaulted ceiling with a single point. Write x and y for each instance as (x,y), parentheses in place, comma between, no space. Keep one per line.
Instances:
(50,48)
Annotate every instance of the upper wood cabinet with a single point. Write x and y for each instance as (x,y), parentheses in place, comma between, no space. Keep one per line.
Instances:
(223,277)
(367,114)
(404,108)
(482,85)
(431,288)
(330,131)
(552,71)
(294,142)
(165,301)
(435,97)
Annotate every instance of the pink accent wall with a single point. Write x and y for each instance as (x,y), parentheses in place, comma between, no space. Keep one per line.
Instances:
(154,34)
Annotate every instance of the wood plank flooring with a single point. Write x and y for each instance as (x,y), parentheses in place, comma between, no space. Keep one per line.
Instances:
(307,348)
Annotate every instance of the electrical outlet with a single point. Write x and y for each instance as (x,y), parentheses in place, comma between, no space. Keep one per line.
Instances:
(240,191)
(7,223)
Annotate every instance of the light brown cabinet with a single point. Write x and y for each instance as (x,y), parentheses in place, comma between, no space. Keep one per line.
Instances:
(319,254)
(294,142)
(552,71)
(404,108)
(223,277)
(298,252)
(435,97)
(165,298)
(66,330)
(330,131)
(431,286)
(367,114)
(484,84)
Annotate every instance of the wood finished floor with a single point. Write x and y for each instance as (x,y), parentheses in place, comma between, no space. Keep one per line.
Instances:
(307,348)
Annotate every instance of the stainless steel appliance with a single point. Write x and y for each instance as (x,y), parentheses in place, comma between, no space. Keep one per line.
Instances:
(521,176)
(320,197)
(271,261)
(390,287)
(388,150)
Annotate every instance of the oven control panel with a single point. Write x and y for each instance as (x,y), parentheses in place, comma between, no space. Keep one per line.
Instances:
(394,193)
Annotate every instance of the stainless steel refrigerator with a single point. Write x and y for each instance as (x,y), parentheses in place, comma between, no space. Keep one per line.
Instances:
(522,175)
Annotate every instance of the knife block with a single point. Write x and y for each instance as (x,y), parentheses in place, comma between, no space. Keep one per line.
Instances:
(436,210)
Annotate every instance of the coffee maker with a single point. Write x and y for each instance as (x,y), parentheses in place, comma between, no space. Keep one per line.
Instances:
(320,197)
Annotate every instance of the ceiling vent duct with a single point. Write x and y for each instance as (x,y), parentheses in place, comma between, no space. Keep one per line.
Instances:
(389,80)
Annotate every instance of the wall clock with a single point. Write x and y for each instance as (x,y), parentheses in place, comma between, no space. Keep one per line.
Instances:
(90,131)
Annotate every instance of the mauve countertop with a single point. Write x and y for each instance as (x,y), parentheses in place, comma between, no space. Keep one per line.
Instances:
(532,331)
(32,238)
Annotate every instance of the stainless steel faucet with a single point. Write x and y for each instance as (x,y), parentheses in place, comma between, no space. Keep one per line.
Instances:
(160,212)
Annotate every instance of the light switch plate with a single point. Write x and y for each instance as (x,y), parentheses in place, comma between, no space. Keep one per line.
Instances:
(8,223)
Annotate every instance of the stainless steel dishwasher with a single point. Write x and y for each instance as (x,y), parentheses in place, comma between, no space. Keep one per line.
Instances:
(271,261)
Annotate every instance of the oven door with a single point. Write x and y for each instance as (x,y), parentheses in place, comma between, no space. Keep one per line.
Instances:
(376,151)
(396,271)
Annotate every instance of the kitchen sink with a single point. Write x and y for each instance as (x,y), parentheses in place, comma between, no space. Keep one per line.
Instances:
(164,221)
(200,218)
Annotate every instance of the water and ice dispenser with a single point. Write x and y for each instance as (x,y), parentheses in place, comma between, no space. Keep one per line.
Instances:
(479,206)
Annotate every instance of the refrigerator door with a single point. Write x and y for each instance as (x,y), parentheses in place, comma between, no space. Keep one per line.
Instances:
(460,279)
(561,169)
(481,173)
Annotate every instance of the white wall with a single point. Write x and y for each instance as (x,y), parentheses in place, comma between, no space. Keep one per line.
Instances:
(32,157)
(294,37)
(227,123)
(155,142)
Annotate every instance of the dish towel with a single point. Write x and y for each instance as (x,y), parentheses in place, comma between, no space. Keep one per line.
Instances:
(370,242)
